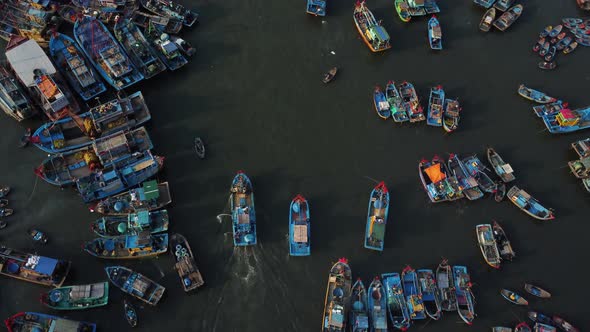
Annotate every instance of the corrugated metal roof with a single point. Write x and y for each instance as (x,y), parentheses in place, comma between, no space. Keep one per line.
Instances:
(27,57)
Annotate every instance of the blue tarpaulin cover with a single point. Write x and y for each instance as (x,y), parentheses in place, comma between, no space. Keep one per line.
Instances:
(46,265)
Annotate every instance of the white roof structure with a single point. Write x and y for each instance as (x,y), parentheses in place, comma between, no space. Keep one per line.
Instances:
(27,57)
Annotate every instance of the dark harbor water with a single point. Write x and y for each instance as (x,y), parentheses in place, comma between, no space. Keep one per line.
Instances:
(254,93)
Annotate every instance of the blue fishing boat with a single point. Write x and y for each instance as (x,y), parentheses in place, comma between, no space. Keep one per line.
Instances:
(431,297)
(35,321)
(166,49)
(359,319)
(477,170)
(434,179)
(451,115)
(528,204)
(462,283)
(534,95)
(381,104)
(172,10)
(72,64)
(79,131)
(396,303)
(299,227)
(115,177)
(567,120)
(434,34)
(128,246)
(502,169)
(135,284)
(377,217)
(484,3)
(150,196)
(435,106)
(468,183)
(316,7)
(242,210)
(412,294)
(337,301)
(138,48)
(45,271)
(396,103)
(14,101)
(539,317)
(377,306)
(105,53)
(410,98)
(131,224)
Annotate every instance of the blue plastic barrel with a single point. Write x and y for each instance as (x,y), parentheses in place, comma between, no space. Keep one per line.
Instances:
(12,268)
(119,206)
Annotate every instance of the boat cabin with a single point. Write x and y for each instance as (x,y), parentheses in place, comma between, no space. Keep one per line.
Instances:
(316,7)
(335,318)
(94,291)
(378,37)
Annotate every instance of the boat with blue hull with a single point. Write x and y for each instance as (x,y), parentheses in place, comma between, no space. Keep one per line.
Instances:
(359,318)
(167,8)
(476,168)
(484,3)
(412,294)
(551,108)
(101,5)
(242,210)
(410,98)
(468,183)
(434,34)
(150,196)
(166,49)
(128,246)
(72,64)
(105,53)
(14,101)
(396,103)
(135,284)
(502,169)
(185,266)
(377,306)
(435,106)
(377,217)
(534,95)
(381,104)
(430,293)
(434,179)
(131,224)
(528,204)
(45,271)
(316,7)
(337,301)
(138,48)
(396,303)
(567,121)
(462,282)
(79,131)
(35,321)
(299,227)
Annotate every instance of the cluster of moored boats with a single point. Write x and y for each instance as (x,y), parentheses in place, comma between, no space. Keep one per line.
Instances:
(500,14)
(553,40)
(581,167)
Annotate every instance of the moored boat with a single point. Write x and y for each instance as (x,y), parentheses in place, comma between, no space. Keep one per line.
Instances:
(130,313)
(551,108)
(540,327)
(583,4)
(410,98)
(503,5)
(559,37)
(337,301)
(451,115)
(537,291)
(77,297)
(582,147)
(396,104)
(501,329)
(555,31)
(504,170)
(14,101)
(484,3)
(539,317)
(544,50)
(243,212)
(377,217)
(359,318)
(396,302)
(373,33)
(534,95)
(402,9)
(166,49)
(433,180)
(475,168)
(545,31)
(69,13)
(564,325)
(377,306)
(567,120)
(539,44)
(528,204)
(446,285)
(167,8)
(508,18)
(547,65)
(551,54)
(586,184)
(138,48)
(504,246)
(150,196)
(135,284)
(412,294)
(511,296)
(165,24)
(299,227)
(487,245)
(468,183)
(200,147)
(434,34)
(131,224)
(316,7)
(580,168)
(33,268)
(185,265)
(435,106)
(381,104)
(562,44)
(462,283)
(500,192)
(35,321)
(430,293)
(329,76)
(487,19)
(128,246)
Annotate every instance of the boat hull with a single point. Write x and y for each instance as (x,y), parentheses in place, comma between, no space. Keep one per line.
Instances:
(377,218)
(243,211)
(299,227)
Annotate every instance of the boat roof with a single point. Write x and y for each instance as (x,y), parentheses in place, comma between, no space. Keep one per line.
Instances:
(142,218)
(379,32)
(27,57)
(87,291)
(42,265)
(300,233)
(150,190)
(507,168)
(567,114)
(434,173)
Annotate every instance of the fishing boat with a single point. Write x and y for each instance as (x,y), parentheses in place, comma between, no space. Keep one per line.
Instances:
(462,283)
(435,106)
(396,302)
(522,327)
(511,296)
(454,189)
(412,294)
(243,212)
(551,108)
(555,31)
(25,139)
(185,265)
(316,7)
(445,283)
(528,204)
(475,168)
(504,170)
(534,95)
(105,54)
(135,284)
(430,293)
(130,313)
(337,301)
(547,65)
(329,76)
(538,317)
(508,18)
(33,268)
(402,8)
(4,191)
(381,104)
(377,306)
(433,180)
(77,297)
(373,33)
(583,4)
(544,49)
(299,227)
(582,147)
(199,147)
(138,48)
(165,24)
(504,246)
(562,44)
(539,44)
(14,101)
(570,22)
(551,54)
(564,325)
(150,196)
(484,3)
(468,183)
(434,34)
(567,120)
(410,98)
(102,5)
(488,245)
(570,48)
(131,224)
(167,8)
(487,19)
(537,291)
(165,48)
(34,321)
(37,236)
(451,115)
(377,217)
(72,64)
(36,72)
(79,131)
(500,192)
(559,37)
(396,104)
(128,246)
(580,168)
(503,5)
(359,317)
(64,168)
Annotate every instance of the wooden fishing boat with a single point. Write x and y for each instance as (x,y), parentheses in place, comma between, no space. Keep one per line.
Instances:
(130,313)
(185,265)
(359,311)
(329,76)
(528,204)
(403,10)
(451,115)
(410,98)
(135,284)
(550,54)
(377,217)
(373,33)
(101,5)
(539,317)
(165,48)
(487,19)
(165,24)
(545,31)
(128,246)
(299,227)
(475,168)
(544,49)
(555,31)
(463,291)
(381,104)
(500,192)
(33,268)
(131,224)
(434,34)
(484,3)
(412,294)
(539,44)
(14,101)
(422,7)
(199,147)
(316,7)
(396,302)
(34,321)
(537,291)
(582,147)
(570,48)
(167,8)
(377,303)
(488,245)
(534,95)
(396,104)
(433,180)
(446,285)
(562,44)
(337,301)
(37,236)
(503,5)
(504,246)
(511,296)
(547,65)
(564,325)
(77,297)
(508,18)
(580,168)
(430,293)
(504,170)
(150,196)
(435,106)
(243,212)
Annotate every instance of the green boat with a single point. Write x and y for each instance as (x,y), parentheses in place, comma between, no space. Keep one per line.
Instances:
(131,224)
(77,297)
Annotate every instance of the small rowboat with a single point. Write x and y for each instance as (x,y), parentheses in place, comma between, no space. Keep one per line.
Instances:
(545,31)
(539,44)
(563,43)
(551,54)
(199,147)
(537,291)
(558,38)
(529,205)
(508,18)
(488,245)
(329,76)
(381,104)
(544,49)
(25,139)
(547,65)
(500,192)
(564,325)
(570,48)
(486,21)
(504,246)
(555,31)
(513,297)
(503,5)
(130,313)
(538,317)
(502,169)
(534,95)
